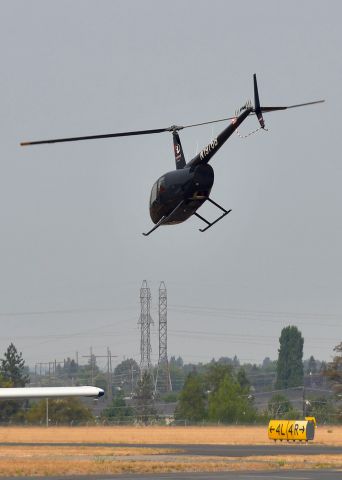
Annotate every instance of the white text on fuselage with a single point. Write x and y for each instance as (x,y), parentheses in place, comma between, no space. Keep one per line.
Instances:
(209,148)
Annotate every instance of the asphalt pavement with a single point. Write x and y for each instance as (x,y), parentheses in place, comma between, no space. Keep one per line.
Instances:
(279,448)
(215,451)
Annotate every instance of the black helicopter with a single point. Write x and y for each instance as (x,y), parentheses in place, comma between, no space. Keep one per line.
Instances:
(177,195)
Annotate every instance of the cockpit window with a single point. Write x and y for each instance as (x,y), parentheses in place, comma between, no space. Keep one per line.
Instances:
(161,185)
(154,192)
(157,188)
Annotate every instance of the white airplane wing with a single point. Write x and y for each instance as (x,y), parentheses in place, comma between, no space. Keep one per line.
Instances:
(50,392)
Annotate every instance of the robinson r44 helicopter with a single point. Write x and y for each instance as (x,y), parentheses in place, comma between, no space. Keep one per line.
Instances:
(177,195)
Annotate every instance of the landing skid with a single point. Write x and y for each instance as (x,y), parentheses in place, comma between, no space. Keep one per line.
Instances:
(215,221)
(164,219)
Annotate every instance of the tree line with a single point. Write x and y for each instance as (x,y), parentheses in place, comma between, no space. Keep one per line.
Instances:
(222,390)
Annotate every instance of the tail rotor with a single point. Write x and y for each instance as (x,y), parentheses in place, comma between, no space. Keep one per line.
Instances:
(257,108)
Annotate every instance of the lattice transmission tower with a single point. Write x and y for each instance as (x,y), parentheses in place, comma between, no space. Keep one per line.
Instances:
(145,323)
(163,379)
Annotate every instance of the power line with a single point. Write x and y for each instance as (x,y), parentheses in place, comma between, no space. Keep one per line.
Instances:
(260,315)
(61,311)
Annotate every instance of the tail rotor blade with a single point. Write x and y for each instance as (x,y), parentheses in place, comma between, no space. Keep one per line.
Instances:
(273,109)
(257,109)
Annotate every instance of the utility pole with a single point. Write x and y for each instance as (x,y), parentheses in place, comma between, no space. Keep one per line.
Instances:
(163,379)
(109,357)
(56,364)
(38,364)
(145,323)
(110,374)
(50,368)
(47,412)
(132,380)
(40,369)
(92,360)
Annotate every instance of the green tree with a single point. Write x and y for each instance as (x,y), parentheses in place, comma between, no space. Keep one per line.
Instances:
(144,399)
(267,362)
(279,406)
(12,367)
(13,373)
(177,373)
(311,365)
(215,375)
(119,410)
(243,380)
(87,374)
(230,403)
(290,371)
(192,399)
(8,408)
(333,371)
(126,375)
(322,408)
(178,362)
(169,397)
(61,411)
(69,369)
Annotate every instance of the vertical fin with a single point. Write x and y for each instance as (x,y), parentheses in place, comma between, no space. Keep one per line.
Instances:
(179,155)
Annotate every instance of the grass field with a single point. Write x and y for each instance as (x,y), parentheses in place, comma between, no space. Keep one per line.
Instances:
(225,435)
(23,460)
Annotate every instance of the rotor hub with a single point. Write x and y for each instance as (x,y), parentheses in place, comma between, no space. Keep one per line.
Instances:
(175,128)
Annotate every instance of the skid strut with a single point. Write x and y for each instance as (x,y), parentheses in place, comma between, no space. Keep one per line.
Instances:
(210,224)
(165,219)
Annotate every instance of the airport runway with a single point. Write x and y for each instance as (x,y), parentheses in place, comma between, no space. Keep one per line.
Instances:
(212,450)
(248,475)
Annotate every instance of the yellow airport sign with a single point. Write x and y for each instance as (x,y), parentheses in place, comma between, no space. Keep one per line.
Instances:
(292,430)
(277,429)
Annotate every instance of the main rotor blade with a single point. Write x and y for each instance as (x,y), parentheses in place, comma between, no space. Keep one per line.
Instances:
(123,134)
(91,137)
(272,109)
(207,123)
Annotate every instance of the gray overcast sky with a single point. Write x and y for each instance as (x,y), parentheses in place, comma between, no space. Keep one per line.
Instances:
(72,214)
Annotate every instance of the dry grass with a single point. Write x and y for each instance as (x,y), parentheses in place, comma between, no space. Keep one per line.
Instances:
(61,467)
(229,435)
(21,460)
(34,464)
(79,451)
